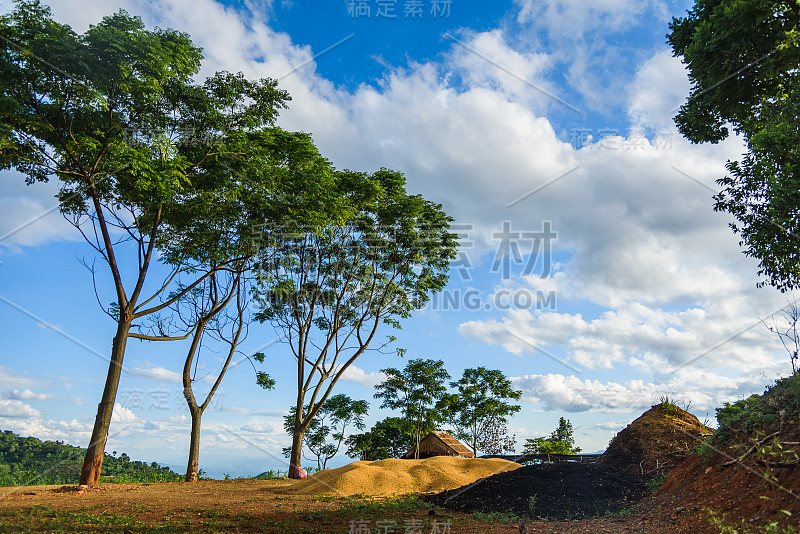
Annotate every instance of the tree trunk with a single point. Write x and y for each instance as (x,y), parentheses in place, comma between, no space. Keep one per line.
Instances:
(194,446)
(93,461)
(296,455)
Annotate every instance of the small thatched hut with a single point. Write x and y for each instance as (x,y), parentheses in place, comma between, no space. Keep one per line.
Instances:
(439,444)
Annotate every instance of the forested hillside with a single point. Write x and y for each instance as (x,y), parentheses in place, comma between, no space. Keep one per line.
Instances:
(26,461)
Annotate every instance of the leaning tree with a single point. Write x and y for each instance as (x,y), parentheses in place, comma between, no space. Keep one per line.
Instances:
(148,160)
(329,287)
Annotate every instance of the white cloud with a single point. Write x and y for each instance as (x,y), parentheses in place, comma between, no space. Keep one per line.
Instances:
(73,432)
(159,374)
(16,408)
(29,214)
(486,59)
(25,394)
(14,378)
(659,88)
(557,392)
(123,415)
(614,426)
(358,375)
(575,19)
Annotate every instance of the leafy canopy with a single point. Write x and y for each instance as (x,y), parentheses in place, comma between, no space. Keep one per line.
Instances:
(479,405)
(742,58)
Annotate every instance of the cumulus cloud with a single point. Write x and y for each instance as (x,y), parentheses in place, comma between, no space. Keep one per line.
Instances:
(614,426)
(638,335)
(73,432)
(557,392)
(159,374)
(17,408)
(13,378)
(25,394)
(659,88)
(123,415)
(359,376)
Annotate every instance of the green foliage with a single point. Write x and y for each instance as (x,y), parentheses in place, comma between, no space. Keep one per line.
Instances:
(479,406)
(754,85)
(415,391)
(745,527)
(389,438)
(264,380)
(532,505)
(404,504)
(668,405)
(495,517)
(26,461)
(760,412)
(655,483)
(561,441)
(731,76)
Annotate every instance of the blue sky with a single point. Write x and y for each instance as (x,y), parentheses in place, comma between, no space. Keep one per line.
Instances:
(513,115)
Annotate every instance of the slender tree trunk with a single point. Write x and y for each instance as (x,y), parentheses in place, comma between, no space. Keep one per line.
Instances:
(297,449)
(93,461)
(194,446)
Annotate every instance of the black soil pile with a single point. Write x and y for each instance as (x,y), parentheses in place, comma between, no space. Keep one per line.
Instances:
(657,442)
(566,490)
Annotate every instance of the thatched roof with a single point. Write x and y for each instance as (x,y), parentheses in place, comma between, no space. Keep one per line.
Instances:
(439,444)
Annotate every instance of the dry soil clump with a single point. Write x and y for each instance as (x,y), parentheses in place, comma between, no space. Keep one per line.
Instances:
(657,442)
(393,477)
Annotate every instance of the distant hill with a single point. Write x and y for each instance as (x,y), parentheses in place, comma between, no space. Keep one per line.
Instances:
(26,461)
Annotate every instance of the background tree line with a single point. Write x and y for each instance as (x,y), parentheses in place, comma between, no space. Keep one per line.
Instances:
(476,412)
(26,461)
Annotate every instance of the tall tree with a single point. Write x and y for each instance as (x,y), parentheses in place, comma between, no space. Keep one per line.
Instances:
(329,287)
(415,391)
(146,158)
(479,405)
(742,59)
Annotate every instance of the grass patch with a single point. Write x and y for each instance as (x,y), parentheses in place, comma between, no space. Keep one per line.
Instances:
(718,520)
(403,504)
(491,517)
(46,519)
(654,483)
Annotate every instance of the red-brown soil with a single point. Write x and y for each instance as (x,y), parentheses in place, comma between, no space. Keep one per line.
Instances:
(750,471)
(657,442)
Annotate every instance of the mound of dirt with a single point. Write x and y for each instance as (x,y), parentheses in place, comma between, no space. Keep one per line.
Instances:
(393,477)
(657,442)
(566,490)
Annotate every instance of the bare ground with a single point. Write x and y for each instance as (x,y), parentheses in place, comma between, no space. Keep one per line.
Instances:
(261,506)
